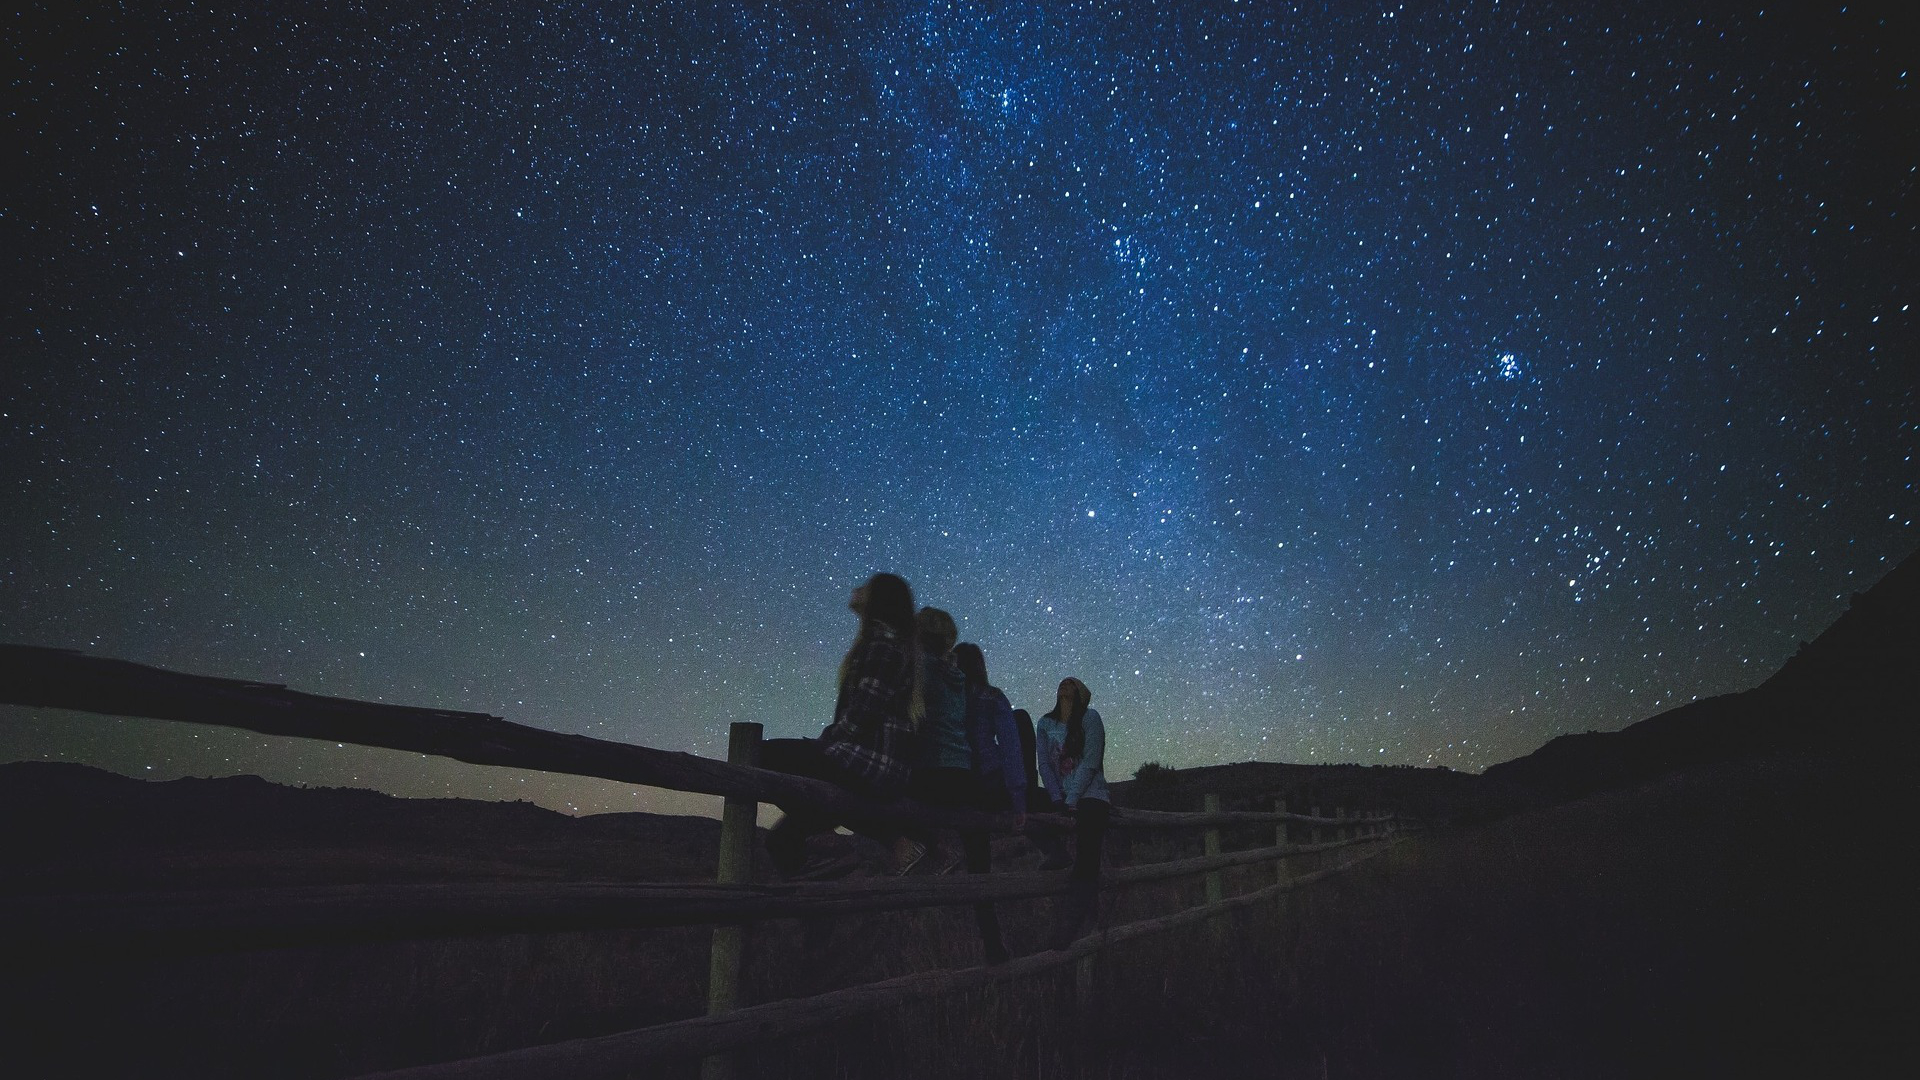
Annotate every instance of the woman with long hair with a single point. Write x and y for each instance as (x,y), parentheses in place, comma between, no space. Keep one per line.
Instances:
(995,747)
(1071,744)
(866,747)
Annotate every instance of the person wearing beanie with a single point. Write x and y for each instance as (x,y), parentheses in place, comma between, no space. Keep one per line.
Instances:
(1070,745)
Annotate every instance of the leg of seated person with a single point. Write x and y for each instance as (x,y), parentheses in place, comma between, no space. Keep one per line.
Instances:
(970,792)
(935,787)
(1080,905)
(1052,842)
(962,789)
(1089,837)
(787,839)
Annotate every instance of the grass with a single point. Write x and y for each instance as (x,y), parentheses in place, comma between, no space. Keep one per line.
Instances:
(1711,923)
(1734,920)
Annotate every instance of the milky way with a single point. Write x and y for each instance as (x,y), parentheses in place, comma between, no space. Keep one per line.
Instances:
(1386,384)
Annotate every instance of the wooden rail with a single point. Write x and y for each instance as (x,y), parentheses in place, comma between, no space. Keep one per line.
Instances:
(176,923)
(614,1056)
(64,679)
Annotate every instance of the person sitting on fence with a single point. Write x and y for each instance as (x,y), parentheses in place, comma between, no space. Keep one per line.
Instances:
(1071,747)
(942,767)
(993,736)
(946,774)
(867,746)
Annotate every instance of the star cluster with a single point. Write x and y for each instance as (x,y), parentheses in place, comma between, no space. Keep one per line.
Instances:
(1387,383)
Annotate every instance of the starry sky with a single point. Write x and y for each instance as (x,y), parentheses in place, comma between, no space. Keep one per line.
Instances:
(1401,384)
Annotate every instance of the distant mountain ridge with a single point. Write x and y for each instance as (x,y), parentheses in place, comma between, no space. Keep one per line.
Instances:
(1856,687)
(69,826)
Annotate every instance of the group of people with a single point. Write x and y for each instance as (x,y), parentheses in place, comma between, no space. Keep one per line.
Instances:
(916,716)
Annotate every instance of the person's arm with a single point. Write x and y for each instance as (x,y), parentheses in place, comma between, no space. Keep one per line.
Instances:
(1091,757)
(1043,755)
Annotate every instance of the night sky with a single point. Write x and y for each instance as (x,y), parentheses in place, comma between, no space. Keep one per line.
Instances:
(1383,383)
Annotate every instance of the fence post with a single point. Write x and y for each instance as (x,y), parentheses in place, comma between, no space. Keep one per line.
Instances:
(1281,871)
(737,820)
(1216,886)
(1319,834)
(1340,831)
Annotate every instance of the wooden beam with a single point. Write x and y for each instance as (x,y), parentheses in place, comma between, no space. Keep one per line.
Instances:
(63,679)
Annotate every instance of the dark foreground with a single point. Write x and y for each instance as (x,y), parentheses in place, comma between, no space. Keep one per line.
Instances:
(1736,919)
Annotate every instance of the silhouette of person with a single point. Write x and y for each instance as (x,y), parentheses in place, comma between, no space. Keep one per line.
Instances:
(949,772)
(1000,755)
(866,747)
(1070,745)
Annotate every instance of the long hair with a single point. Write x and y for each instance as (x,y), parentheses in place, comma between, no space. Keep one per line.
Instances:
(937,634)
(1070,708)
(973,663)
(885,600)
(890,601)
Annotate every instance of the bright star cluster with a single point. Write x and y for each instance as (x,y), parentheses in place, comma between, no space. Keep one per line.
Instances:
(1403,384)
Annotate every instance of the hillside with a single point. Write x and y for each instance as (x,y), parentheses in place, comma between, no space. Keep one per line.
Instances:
(1852,689)
(1729,919)
(65,826)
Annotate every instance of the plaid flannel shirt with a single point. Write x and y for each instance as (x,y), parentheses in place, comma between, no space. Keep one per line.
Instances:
(871,735)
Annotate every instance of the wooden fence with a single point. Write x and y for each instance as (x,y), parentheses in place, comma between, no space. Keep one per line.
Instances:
(179,923)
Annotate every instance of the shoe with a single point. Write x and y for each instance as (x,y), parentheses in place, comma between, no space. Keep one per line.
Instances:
(827,869)
(908,857)
(951,862)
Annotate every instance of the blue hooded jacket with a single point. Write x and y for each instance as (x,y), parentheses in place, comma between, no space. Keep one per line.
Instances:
(994,738)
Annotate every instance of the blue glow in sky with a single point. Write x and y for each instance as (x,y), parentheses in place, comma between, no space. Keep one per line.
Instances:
(1394,384)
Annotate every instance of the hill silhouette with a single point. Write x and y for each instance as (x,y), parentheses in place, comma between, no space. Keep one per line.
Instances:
(73,827)
(1853,688)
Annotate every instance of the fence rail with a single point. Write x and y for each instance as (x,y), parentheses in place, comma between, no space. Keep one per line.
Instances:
(614,1056)
(63,679)
(193,923)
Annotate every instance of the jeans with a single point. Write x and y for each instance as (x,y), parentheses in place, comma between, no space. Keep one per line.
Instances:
(786,841)
(964,789)
(1089,839)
